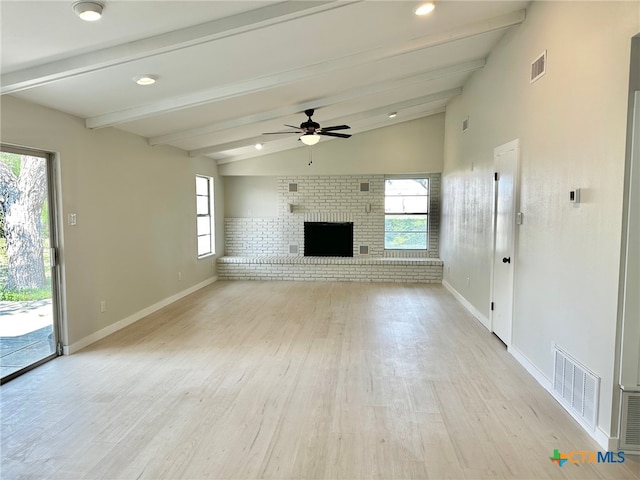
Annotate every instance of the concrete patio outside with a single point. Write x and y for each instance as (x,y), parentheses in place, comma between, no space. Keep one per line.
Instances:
(26,334)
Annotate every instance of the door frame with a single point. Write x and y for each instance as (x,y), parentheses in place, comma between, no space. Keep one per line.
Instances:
(55,240)
(506,147)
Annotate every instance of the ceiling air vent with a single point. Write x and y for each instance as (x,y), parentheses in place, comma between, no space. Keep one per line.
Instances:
(539,67)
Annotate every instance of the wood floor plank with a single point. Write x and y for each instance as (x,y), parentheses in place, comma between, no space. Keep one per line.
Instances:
(292,380)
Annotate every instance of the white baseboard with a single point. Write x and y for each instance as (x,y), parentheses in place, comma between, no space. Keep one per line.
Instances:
(531,368)
(125,322)
(465,303)
(606,442)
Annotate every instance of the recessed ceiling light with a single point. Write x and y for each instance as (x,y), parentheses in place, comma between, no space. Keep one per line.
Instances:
(393,114)
(145,79)
(88,11)
(258,146)
(425,8)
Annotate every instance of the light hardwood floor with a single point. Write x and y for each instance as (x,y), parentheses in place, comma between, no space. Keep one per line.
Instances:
(293,380)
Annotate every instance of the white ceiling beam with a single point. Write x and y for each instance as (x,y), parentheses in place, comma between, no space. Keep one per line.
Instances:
(223,147)
(385,121)
(163,43)
(444,95)
(300,74)
(399,83)
(399,106)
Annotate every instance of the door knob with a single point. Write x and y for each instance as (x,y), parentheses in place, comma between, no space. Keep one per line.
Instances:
(506,260)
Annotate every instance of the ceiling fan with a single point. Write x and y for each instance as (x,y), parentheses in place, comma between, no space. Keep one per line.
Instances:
(310,130)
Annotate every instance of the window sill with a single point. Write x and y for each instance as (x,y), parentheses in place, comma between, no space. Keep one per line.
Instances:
(405,253)
(395,250)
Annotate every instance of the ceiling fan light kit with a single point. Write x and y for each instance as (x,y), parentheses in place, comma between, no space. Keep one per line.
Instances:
(309,138)
(88,11)
(311,130)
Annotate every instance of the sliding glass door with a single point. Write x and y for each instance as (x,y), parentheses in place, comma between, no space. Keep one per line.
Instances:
(28,271)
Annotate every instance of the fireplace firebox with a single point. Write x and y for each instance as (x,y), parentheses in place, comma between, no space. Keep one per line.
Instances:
(328,239)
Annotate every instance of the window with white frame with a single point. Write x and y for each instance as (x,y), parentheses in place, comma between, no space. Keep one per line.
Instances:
(204,215)
(406,211)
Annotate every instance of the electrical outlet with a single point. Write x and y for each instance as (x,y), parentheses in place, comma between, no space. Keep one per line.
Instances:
(103,306)
(179,276)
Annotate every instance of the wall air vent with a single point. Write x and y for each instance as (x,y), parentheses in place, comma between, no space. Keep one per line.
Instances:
(630,422)
(364,186)
(364,250)
(576,388)
(293,187)
(539,67)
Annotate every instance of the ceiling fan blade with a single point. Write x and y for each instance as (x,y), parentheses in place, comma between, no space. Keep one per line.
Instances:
(292,126)
(277,133)
(331,134)
(336,127)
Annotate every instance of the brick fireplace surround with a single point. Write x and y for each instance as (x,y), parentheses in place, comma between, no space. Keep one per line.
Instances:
(271,248)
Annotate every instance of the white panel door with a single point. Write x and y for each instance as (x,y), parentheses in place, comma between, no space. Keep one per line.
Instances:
(504,221)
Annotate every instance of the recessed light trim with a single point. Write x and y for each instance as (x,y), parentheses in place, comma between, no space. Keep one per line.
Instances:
(425,8)
(258,146)
(88,11)
(145,79)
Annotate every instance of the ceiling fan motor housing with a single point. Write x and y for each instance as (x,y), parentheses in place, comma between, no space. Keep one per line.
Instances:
(309,126)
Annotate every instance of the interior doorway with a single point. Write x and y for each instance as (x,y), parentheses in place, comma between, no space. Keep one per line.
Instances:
(29,277)
(506,159)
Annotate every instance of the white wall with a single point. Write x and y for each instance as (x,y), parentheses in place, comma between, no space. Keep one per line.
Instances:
(409,147)
(254,197)
(135,207)
(572,126)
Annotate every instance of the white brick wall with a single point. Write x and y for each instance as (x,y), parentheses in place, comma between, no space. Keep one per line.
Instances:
(260,248)
(326,198)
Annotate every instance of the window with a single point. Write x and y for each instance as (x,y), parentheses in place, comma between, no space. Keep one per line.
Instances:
(204,215)
(406,209)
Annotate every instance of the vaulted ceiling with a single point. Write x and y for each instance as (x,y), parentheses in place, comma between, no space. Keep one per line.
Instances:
(228,71)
